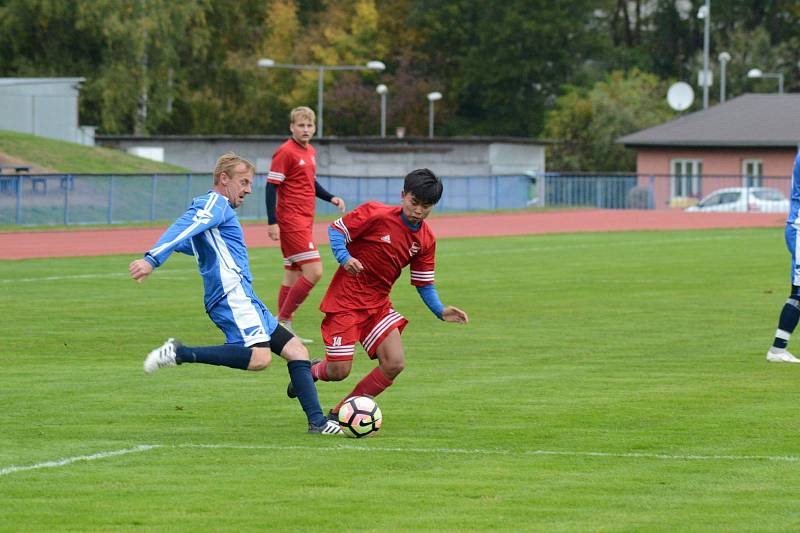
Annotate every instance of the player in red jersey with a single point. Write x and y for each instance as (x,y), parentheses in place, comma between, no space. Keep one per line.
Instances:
(290,213)
(373,243)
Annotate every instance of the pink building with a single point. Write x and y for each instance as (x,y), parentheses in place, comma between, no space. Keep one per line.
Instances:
(748,141)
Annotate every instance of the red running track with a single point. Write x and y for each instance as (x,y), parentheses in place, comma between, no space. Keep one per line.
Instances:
(134,241)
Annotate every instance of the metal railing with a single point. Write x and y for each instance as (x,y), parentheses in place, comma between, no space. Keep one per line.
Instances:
(56,199)
(649,191)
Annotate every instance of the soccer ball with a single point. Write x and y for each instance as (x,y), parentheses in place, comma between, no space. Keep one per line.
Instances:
(360,416)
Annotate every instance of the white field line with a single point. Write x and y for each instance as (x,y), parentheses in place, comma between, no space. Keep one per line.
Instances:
(451,451)
(90,276)
(443,253)
(69,460)
(490,451)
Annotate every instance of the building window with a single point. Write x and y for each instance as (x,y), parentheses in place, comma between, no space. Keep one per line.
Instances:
(686,175)
(752,172)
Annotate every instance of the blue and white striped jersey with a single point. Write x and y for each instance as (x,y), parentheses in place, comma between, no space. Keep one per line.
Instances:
(209,230)
(794,206)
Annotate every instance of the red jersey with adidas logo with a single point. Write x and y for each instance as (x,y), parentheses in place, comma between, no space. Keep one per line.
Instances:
(377,235)
(294,171)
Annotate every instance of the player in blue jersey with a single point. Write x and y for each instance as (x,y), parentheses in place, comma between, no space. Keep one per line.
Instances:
(790,314)
(210,231)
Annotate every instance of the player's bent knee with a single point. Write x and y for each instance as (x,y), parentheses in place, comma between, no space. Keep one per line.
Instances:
(260,359)
(312,272)
(338,371)
(294,350)
(393,368)
(313,278)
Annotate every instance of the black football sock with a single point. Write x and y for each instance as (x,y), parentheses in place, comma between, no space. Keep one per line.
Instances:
(790,314)
(229,355)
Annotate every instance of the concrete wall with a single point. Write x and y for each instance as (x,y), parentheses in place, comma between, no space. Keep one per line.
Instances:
(47,107)
(356,156)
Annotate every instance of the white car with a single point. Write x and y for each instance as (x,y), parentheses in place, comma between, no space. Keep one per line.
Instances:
(759,200)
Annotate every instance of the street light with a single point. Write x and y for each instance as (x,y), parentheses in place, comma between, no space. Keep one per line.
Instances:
(382,90)
(371,65)
(704,13)
(756,73)
(724,57)
(432,97)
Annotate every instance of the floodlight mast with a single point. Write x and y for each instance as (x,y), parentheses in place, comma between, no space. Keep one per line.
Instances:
(432,97)
(382,90)
(757,73)
(370,65)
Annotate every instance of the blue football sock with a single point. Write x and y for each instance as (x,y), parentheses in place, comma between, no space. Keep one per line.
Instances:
(303,384)
(229,355)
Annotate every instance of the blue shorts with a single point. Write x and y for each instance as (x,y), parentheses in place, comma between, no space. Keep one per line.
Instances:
(243,318)
(794,251)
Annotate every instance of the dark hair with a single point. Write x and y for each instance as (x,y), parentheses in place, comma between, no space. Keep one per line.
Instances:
(424,185)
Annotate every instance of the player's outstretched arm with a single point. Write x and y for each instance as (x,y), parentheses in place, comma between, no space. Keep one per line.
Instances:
(140,269)
(454,314)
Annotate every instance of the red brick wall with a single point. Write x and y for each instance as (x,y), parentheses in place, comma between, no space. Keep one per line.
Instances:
(716,161)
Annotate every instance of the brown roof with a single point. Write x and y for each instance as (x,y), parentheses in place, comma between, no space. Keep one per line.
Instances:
(770,120)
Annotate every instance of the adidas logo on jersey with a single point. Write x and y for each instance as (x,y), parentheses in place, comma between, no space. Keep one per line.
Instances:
(302,162)
(202,216)
(387,238)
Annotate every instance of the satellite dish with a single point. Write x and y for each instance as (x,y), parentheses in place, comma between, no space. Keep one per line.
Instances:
(680,96)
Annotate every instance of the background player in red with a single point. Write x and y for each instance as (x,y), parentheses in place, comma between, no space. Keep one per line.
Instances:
(290,213)
(373,243)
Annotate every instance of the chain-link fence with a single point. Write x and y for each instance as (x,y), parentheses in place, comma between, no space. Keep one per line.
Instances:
(56,199)
(638,191)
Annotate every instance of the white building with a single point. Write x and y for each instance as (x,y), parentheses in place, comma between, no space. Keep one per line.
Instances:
(349,156)
(47,107)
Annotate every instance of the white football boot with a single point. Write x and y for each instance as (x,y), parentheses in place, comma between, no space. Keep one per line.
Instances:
(776,355)
(161,357)
(330,428)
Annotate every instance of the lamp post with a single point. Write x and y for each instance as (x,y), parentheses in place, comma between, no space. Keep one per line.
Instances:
(756,73)
(704,13)
(724,57)
(371,65)
(382,90)
(432,97)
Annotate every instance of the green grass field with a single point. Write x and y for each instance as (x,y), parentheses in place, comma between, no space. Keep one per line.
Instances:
(607,382)
(62,156)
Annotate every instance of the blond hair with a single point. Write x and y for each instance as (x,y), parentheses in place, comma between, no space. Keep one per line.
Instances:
(228,162)
(302,112)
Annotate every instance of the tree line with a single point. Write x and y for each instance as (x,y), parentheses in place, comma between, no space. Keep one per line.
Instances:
(578,72)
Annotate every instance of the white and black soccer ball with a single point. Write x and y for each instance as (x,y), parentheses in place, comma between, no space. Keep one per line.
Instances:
(360,416)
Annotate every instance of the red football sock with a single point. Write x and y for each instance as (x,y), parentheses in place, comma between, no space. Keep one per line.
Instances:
(282,293)
(373,384)
(297,295)
(320,371)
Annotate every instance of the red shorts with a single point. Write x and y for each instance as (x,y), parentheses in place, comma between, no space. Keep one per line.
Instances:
(341,331)
(298,248)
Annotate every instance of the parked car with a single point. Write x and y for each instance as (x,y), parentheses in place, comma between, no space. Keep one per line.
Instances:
(754,199)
